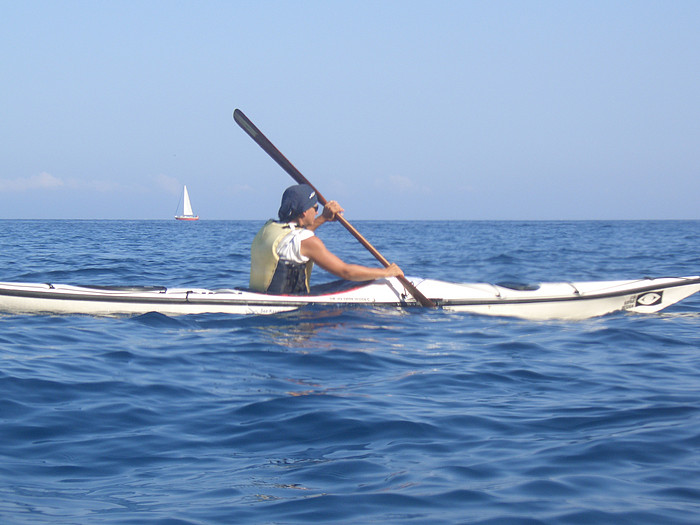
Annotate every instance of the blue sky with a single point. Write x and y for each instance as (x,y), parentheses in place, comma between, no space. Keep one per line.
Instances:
(397,109)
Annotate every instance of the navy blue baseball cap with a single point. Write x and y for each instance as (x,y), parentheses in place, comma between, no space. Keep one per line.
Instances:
(295,201)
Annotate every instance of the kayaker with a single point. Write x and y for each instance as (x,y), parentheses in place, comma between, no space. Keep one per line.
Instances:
(283,252)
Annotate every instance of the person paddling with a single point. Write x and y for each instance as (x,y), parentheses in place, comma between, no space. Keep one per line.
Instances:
(283,252)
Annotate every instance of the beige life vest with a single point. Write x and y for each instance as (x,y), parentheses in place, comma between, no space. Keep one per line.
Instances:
(265,264)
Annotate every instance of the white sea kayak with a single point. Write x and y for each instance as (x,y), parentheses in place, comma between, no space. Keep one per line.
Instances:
(562,300)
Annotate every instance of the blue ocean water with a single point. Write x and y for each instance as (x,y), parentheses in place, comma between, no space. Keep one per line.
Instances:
(350,415)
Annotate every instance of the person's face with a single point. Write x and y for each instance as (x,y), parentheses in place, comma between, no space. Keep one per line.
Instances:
(307,219)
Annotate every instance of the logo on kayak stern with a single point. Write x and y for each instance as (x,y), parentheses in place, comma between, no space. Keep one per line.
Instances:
(649,299)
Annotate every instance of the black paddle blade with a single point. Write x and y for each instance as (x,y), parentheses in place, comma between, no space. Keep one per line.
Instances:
(269,148)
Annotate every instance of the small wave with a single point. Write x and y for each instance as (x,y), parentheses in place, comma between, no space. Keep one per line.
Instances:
(159,320)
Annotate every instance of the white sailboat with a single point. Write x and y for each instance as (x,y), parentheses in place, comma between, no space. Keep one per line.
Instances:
(187,214)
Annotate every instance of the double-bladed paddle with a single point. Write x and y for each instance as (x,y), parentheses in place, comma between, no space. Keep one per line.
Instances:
(287,166)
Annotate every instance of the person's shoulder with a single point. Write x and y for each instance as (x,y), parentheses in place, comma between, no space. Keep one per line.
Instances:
(312,240)
(298,235)
(313,247)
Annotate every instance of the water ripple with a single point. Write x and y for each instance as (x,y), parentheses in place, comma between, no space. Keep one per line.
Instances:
(357,415)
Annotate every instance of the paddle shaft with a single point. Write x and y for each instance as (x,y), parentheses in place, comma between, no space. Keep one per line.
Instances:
(287,166)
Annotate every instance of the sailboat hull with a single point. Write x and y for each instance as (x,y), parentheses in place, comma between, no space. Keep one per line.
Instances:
(183,218)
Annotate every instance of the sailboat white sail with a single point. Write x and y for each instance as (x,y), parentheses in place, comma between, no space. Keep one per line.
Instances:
(187,214)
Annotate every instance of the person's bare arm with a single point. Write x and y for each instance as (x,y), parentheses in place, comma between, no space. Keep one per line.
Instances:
(314,249)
